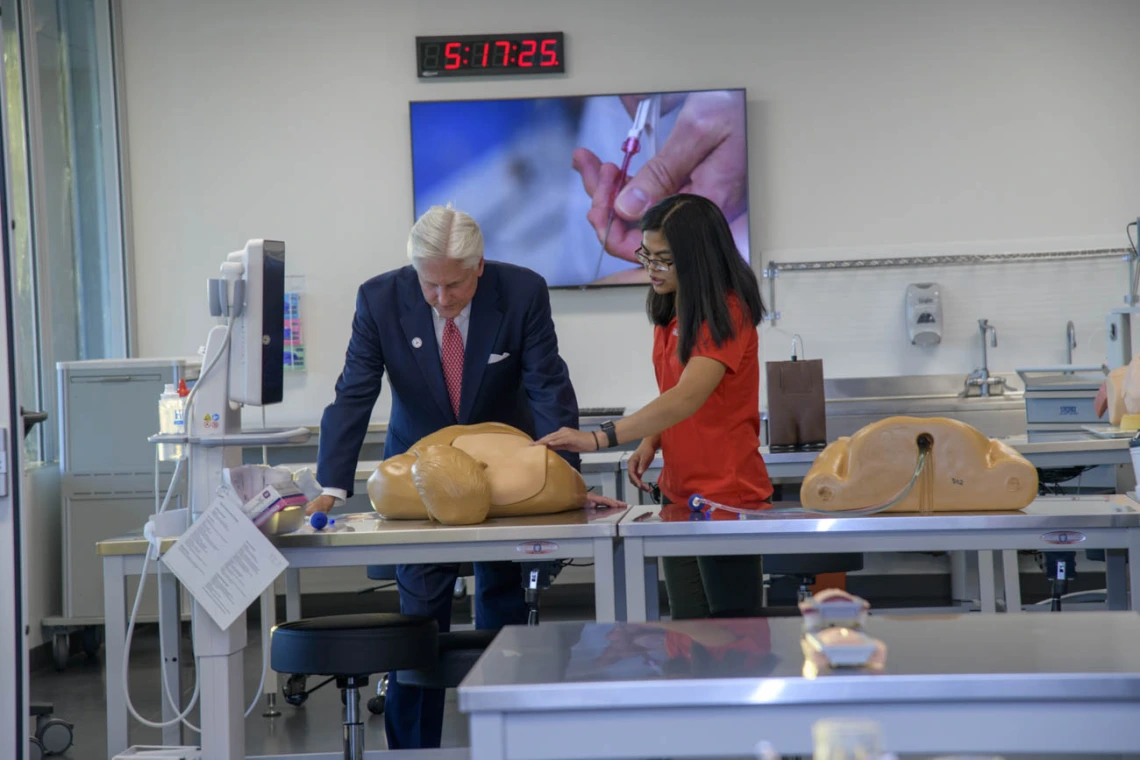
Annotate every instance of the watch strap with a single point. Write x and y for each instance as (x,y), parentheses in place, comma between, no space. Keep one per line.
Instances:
(611,433)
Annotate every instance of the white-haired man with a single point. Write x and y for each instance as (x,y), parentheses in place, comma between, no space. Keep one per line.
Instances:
(463,341)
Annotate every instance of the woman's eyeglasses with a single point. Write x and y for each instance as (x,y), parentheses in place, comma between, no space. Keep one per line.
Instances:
(656,265)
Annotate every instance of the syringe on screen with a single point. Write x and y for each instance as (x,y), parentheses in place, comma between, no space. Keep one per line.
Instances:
(630,147)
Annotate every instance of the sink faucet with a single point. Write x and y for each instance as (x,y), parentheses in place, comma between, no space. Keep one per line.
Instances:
(981,377)
(1070,340)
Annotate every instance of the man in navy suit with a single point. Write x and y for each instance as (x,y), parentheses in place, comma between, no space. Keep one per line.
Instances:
(463,341)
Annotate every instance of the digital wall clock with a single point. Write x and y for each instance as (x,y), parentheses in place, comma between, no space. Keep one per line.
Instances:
(490,54)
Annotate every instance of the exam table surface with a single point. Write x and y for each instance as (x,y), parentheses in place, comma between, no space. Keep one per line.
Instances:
(988,683)
(369,529)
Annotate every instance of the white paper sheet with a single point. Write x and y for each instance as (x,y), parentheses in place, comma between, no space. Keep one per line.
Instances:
(225,562)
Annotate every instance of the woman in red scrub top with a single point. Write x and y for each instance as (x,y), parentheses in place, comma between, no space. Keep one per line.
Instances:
(705,305)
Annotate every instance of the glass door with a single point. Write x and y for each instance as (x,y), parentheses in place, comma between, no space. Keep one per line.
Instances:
(14,720)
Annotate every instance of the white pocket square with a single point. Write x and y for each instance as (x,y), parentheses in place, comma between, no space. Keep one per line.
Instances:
(496,358)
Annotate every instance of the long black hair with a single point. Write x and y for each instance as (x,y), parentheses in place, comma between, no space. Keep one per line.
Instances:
(709,268)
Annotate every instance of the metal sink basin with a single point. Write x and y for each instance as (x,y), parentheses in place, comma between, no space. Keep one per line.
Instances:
(855,402)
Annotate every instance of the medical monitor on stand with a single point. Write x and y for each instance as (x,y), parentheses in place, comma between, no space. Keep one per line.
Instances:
(243,365)
(257,342)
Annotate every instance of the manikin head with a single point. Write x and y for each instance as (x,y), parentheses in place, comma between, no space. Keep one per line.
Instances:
(446,248)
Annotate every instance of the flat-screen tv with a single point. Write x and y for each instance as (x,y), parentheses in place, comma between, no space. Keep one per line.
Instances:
(538,174)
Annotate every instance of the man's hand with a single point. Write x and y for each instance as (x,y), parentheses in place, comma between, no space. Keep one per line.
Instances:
(323,503)
(1100,403)
(569,439)
(639,462)
(597,501)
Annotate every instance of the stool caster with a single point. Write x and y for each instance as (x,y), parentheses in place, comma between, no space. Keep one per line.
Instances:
(36,750)
(376,704)
(294,690)
(54,735)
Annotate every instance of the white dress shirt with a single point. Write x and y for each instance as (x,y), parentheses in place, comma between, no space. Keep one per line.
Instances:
(463,322)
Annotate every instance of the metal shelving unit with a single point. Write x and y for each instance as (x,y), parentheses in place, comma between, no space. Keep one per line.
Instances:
(772,272)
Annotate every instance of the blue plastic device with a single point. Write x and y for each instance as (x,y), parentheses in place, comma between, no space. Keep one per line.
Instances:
(319,520)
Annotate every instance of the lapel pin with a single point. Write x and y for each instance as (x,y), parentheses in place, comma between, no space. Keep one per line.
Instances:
(416,342)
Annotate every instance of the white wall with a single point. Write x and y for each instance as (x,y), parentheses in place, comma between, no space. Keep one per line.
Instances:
(875,127)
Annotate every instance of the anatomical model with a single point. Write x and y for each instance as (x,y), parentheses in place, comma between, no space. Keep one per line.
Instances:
(971,473)
(463,474)
(1120,396)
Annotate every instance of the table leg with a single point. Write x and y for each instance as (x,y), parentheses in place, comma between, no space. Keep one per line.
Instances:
(115,638)
(1116,578)
(621,605)
(487,736)
(635,579)
(292,593)
(986,581)
(1134,567)
(959,586)
(652,597)
(605,606)
(170,630)
(1011,580)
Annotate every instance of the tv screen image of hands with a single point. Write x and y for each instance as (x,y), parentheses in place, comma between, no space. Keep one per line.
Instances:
(544,175)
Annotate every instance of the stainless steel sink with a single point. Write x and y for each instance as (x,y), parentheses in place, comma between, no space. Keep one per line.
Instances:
(855,402)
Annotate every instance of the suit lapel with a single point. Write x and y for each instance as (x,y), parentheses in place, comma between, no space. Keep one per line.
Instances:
(418,325)
(481,335)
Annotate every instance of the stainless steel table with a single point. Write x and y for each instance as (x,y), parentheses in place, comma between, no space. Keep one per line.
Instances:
(1042,449)
(1049,523)
(365,539)
(600,470)
(1037,684)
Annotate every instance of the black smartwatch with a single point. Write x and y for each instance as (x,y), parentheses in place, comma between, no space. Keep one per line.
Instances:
(611,434)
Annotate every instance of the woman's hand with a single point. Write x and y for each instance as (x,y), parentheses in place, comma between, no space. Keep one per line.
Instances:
(640,460)
(569,439)
(597,501)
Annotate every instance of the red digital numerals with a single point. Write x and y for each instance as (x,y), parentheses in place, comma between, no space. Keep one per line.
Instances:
(491,54)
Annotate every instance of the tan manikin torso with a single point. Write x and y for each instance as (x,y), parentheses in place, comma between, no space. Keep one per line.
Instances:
(463,474)
(971,472)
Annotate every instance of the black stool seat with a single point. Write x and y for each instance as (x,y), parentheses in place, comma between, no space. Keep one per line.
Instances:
(388,572)
(351,645)
(458,653)
(811,564)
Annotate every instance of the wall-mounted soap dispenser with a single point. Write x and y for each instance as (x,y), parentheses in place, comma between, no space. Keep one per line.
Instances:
(924,314)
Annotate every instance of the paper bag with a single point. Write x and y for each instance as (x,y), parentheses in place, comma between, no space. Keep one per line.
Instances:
(797,418)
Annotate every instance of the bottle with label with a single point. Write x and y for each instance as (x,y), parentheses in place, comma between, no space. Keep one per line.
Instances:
(171,420)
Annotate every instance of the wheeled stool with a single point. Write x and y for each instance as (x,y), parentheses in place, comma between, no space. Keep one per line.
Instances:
(350,648)
(458,653)
(388,573)
(805,567)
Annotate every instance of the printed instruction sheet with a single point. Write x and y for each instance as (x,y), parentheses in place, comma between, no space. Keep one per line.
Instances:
(225,562)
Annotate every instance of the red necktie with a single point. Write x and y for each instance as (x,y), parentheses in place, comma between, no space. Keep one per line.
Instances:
(453,363)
